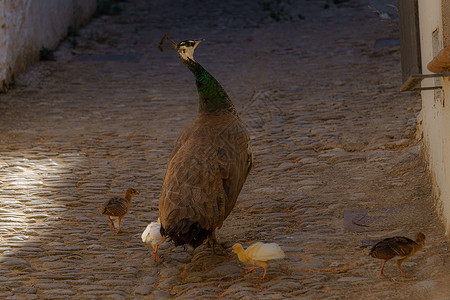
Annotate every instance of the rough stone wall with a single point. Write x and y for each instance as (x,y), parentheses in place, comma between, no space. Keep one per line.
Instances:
(26,26)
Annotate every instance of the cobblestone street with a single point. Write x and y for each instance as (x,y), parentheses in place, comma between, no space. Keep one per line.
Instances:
(334,141)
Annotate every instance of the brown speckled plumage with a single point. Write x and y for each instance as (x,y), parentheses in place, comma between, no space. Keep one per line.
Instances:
(397,247)
(118,207)
(205,174)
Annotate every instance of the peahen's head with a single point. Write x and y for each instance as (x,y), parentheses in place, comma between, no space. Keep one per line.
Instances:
(186,48)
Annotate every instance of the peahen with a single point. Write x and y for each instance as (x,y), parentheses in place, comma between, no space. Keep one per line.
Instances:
(209,163)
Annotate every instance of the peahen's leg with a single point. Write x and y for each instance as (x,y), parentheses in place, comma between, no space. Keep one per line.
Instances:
(214,245)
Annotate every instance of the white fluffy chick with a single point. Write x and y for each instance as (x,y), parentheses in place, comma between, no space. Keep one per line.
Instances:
(153,235)
(259,254)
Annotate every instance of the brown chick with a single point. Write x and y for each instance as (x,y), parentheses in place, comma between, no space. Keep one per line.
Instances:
(397,247)
(118,207)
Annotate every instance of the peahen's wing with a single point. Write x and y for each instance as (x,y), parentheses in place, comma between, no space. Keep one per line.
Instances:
(235,159)
(208,166)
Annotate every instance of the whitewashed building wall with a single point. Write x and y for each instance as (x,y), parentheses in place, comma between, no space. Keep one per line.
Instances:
(434,36)
(28,25)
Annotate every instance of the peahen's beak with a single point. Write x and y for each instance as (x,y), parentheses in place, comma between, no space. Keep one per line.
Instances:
(198,42)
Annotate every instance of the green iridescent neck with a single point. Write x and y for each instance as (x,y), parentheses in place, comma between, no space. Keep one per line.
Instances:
(212,97)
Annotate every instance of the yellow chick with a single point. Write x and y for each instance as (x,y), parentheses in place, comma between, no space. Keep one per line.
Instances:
(152,234)
(259,254)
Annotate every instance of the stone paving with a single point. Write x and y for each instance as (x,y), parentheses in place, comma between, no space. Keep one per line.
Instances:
(332,135)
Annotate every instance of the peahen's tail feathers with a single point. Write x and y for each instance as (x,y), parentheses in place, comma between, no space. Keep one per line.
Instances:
(186,232)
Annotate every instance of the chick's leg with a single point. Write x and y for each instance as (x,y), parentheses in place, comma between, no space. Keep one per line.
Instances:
(118,221)
(382,268)
(112,224)
(399,266)
(265,271)
(155,254)
(264,265)
(251,269)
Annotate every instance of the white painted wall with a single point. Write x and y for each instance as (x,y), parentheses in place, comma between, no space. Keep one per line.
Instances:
(28,25)
(435,110)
